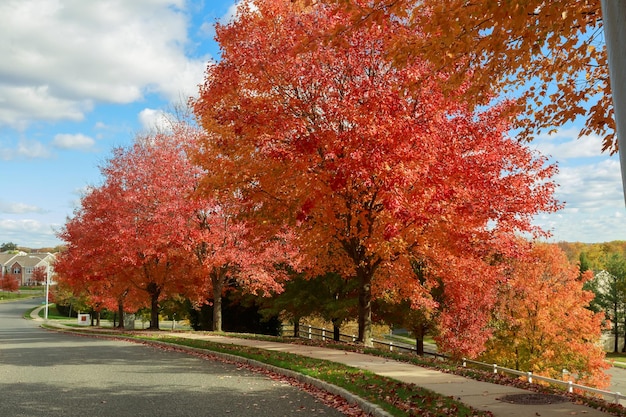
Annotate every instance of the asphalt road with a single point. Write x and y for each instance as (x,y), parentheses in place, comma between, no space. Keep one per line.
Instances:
(45,373)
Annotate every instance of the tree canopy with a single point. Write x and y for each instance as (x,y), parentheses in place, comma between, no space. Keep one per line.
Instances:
(371,171)
(552,53)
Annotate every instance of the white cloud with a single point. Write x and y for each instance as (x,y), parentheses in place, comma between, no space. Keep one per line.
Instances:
(565,144)
(591,185)
(112,51)
(594,206)
(25,149)
(19,208)
(77,141)
(22,103)
(232,10)
(30,232)
(156,120)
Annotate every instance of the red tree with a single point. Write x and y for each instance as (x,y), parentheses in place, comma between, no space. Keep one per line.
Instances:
(229,252)
(39,275)
(149,185)
(144,232)
(88,265)
(371,173)
(10,282)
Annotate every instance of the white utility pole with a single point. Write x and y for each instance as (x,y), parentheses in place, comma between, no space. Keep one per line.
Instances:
(614,22)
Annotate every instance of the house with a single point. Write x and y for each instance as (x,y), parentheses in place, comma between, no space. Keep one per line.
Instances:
(23,265)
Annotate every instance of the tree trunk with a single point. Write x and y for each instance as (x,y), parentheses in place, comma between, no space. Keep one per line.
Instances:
(419,340)
(419,345)
(365,307)
(218,284)
(336,331)
(155,292)
(624,347)
(120,314)
(615,330)
(296,327)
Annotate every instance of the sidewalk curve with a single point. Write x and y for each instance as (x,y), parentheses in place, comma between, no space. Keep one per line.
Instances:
(480,395)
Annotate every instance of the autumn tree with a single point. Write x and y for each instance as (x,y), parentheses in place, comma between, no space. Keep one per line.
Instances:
(131,234)
(229,253)
(541,323)
(10,282)
(88,266)
(40,275)
(150,184)
(370,171)
(68,301)
(420,320)
(143,231)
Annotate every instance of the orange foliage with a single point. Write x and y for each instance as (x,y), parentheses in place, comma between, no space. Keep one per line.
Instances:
(541,323)
(552,52)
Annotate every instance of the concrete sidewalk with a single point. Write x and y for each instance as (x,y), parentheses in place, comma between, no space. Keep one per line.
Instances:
(480,395)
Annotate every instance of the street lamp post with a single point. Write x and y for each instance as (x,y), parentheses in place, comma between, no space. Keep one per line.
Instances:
(45,314)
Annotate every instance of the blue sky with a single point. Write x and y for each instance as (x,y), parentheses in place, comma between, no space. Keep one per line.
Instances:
(78,78)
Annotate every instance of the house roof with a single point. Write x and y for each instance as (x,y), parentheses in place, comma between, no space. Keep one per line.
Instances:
(26,259)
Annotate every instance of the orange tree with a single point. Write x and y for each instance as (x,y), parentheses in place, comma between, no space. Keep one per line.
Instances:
(542,323)
(369,170)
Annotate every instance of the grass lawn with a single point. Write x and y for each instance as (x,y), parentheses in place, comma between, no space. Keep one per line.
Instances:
(617,359)
(23,292)
(408,339)
(53,314)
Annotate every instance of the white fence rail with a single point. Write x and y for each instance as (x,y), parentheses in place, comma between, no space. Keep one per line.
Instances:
(616,397)
(310,332)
